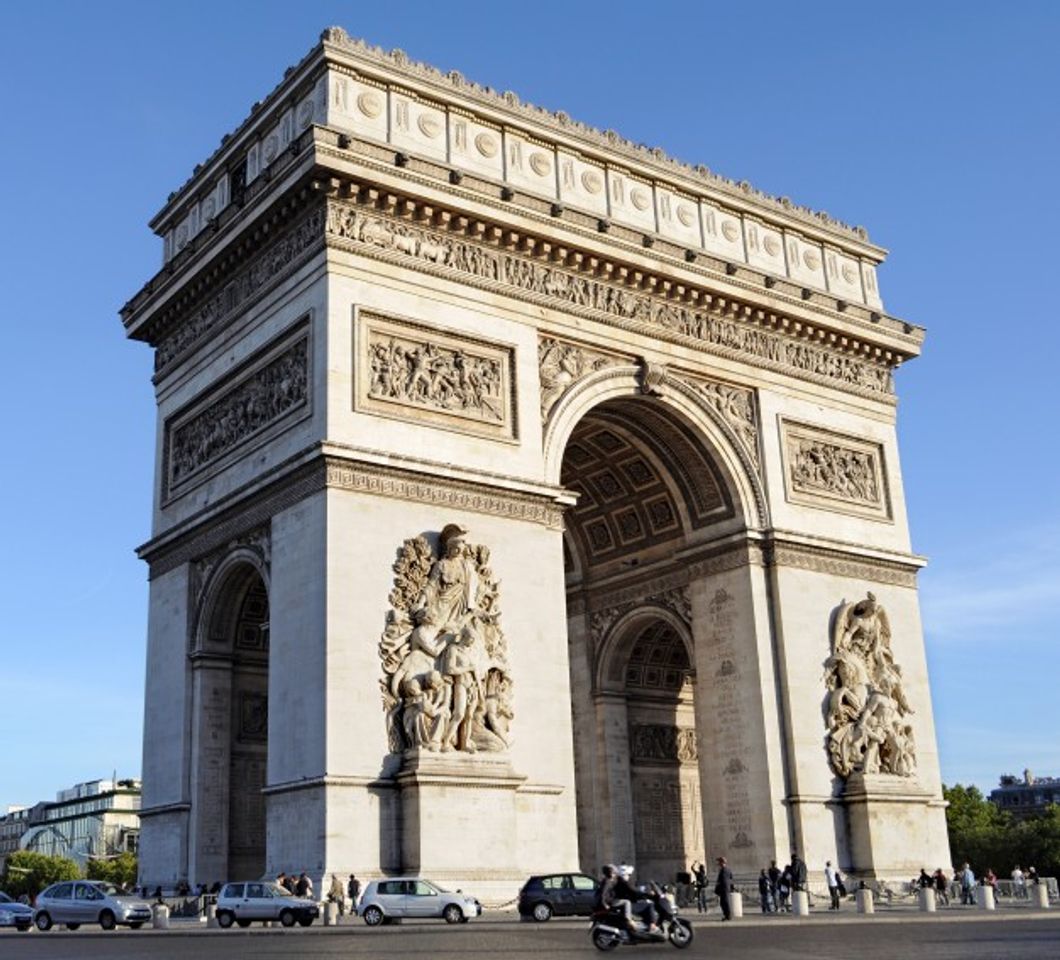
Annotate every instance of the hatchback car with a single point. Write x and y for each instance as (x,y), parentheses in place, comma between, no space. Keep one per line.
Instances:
(243,903)
(74,902)
(557,894)
(403,897)
(14,914)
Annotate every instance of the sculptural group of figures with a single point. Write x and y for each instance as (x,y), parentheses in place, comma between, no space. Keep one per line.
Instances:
(446,684)
(867,711)
(833,469)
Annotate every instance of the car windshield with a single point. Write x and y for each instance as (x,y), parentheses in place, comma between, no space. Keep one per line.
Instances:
(4,898)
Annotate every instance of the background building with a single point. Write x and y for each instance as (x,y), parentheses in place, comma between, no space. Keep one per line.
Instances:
(1026,797)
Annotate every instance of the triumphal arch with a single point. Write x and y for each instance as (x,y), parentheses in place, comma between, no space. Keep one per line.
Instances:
(525,500)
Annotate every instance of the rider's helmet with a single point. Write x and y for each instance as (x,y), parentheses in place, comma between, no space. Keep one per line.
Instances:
(625,871)
(609,870)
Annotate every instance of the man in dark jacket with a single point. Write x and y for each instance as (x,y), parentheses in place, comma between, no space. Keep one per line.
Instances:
(723,888)
(798,872)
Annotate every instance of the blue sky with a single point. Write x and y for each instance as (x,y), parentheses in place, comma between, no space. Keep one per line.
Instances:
(933,124)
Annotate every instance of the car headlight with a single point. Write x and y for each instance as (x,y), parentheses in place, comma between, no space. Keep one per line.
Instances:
(6,916)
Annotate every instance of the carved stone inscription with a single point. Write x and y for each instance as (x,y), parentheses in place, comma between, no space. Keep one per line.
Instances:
(384,237)
(446,683)
(218,426)
(723,682)
(834,471)
(418,374)
(866,711)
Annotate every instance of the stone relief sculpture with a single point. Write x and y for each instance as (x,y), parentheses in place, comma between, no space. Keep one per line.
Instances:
(661,741)
(446,683)
(821,467)
(867,711)
(561,364)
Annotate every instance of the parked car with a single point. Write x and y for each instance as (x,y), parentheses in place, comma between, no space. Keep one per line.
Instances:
(74,902)
(557,894)
(243,903)
(14,914)
(401,897)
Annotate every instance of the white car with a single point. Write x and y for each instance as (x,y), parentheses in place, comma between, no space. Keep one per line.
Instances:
(243,903)
(401,897)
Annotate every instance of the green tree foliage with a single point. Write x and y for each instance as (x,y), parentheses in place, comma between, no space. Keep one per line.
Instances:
(120,870)
(987,837)
(29,873)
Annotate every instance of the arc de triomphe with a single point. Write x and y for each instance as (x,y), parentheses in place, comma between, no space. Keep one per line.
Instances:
(525,500)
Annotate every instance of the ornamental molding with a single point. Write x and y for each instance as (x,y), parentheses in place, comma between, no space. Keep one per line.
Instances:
(185,326)
(674,599)
(257,542)
(267,394)
(834,471)
(423,374)
(840,563)
(714,324)
(731,557)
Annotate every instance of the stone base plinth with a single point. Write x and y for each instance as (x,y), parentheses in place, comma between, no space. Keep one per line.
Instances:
(895,826)
(865,901)
(1040,895)
(736,904)
(459,823)
(927,900)
(984,898)
(800,903)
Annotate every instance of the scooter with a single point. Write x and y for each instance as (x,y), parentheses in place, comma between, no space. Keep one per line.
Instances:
(608,929)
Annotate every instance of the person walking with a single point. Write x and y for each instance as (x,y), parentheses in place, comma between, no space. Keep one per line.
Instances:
(765,892)
(831,878)
(723,888)
(784,890)
(967,886)
(798,872)
(699,879)
(941,886)
(353,891)
(1019,883)
(337,893)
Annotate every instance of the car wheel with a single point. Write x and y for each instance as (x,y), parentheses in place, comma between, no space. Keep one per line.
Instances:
(287,918)
(452,914)
(43,920)
(373,916)
(304,921)
(72,926)
(136,924)
(542,912)
(225,919)
(243,923)
(106,920)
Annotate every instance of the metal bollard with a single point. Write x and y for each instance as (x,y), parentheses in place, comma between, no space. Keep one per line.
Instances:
(736,905)
(927,900)
(211,915)
(984,897)
(865,902)
(1040,895)
(800,903)
(160,917)
(331,914)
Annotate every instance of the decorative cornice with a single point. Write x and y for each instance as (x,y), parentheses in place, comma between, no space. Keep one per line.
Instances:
(841,563)
(384,226)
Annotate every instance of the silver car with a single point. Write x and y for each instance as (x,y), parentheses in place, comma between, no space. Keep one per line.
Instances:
(14,914)
(402,897)
(74,902)
(243,903)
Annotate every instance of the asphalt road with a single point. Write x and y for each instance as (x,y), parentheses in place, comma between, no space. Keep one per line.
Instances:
(894,938)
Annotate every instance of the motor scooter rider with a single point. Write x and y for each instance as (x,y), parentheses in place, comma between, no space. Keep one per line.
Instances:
(608,898)
(642,904)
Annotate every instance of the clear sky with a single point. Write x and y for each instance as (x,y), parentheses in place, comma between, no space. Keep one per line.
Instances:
(934,124)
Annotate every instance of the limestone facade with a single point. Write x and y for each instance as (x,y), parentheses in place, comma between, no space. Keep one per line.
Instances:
(660,407)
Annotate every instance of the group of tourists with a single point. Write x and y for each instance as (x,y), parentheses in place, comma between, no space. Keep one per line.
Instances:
(300,886)
(964,883)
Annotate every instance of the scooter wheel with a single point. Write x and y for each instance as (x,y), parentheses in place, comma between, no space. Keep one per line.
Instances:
(604,941)
(680,934)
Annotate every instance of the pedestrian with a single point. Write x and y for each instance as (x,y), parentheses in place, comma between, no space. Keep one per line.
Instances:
(941,885)
(924,881)
(830,877)
(798,872)
(303,888)
(699,873)
(723,888)
(765,892)
(1032,876)
(967,885)
(353,891)
(784,890)
(1019,883)
(337,893)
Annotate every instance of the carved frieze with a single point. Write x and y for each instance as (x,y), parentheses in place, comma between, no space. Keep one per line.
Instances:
(720,327)
(736,406)
(676,599)
(421,374)
(662,742)
(834,471)
(866,711)
(264,271)
(446,683)
(257,541)
(253,717)
(274,391)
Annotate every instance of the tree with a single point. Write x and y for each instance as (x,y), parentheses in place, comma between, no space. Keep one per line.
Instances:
(120,870)
(29,873)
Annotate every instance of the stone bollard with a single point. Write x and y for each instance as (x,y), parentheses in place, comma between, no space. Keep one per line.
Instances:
(160,916)
(736,903)
(984,897)
(927,900)
(331,914)
(865,902)
(211,915)
(1040,895)
(800,903)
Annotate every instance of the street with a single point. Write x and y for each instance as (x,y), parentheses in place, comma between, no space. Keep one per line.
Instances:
(951,937)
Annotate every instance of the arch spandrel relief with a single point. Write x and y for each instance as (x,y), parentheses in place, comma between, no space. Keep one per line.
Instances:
(867,711)
(446,682)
